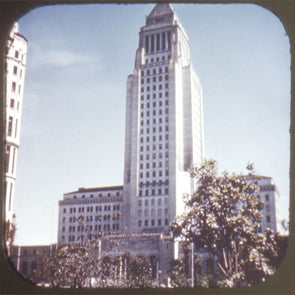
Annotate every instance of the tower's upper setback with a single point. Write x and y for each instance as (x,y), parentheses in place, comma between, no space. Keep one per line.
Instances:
(15,78)
(164,124)
(161,27)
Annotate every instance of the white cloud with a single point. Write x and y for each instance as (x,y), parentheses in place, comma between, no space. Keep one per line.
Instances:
(61,58)
(64,58)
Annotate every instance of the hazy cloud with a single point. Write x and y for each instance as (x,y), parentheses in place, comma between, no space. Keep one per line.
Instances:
(62,58)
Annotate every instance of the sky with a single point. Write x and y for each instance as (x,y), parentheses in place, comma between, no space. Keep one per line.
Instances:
(79,57)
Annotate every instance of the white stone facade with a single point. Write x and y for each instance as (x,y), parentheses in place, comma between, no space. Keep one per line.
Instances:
(15,78)
(89,213)
(164,124)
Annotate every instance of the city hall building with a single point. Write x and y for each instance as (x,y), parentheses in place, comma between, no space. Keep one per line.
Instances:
(163,140)
(163,134)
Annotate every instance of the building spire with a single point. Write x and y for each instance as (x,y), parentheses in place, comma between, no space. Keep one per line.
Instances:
(161,9)
(161,13)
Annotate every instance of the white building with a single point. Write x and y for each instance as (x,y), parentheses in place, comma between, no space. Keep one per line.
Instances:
(15,77)
(269,194)
(90,212)
(164,124)
(164,138)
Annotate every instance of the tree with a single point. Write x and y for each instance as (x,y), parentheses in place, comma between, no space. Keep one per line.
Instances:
(106,276)
(75,265)
(140,271)
(178,274)
(223,218)
(70,265)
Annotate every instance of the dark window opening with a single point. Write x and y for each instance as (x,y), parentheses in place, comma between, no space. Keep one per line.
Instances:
(152,43)
(147,43)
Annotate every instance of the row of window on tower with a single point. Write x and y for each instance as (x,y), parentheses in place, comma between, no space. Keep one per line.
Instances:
(154,88)
(154,183)
(160,138)
(153,192)
(155,122)
(153,223)
(152,201)
(154,148)
(160,95)
(162,191)
(154,112)
(154,79)
(154,173)
(157,42)
(154,130)
(154,71)
(154,104)
(154,165)
(158,59)
(152,212)
(154,138)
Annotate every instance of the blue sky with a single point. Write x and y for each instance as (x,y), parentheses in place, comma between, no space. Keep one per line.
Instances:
(79,57)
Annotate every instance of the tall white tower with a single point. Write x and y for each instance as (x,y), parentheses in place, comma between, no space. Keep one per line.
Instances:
(164,124)
(15,77)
